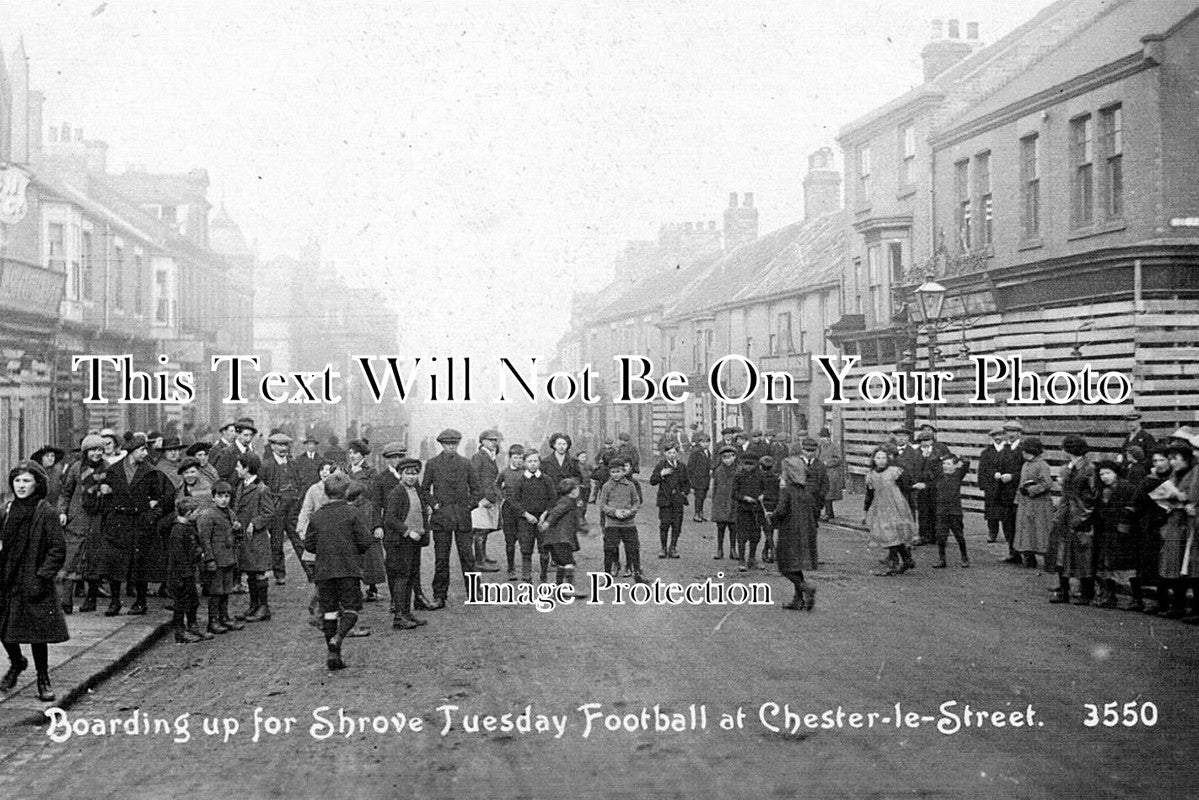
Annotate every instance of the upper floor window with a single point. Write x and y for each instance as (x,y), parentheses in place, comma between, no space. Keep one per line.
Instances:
(864,174)
(961,184)
(85,259)
(786,343)
(1082,160)
(1030,185)
(1111,122)
(907,155)
(982,177)
(118,278)
(138,288)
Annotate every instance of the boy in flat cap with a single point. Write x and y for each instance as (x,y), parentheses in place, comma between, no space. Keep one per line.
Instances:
(452,488)
(186,551)
(485,517)
(404,534)
(214,524)
(748,494)
(699,473)
(723,510)
(670,477)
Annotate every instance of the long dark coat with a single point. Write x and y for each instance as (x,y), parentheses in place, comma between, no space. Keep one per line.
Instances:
(699,469)
(487,470)
(998,497)
(1072,536)
(215,526)
(253,505)
(79,499)
(132,547)
(450,482)
(795,515)
(722,493)
(370,508)
(29,560)
(1115,541)
(338,537)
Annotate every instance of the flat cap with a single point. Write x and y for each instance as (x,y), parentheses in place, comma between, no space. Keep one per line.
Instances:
(1132,416)
(187,464)
(449,435)
(311,438)
(728,448)
(623,436)
(924,436)
(899,429)
(728,431)
(92,441)
(408,463)
(490,433)
(279,437)
(809,444)
(1013,425)
(995,431)
(392,449)
(748,458)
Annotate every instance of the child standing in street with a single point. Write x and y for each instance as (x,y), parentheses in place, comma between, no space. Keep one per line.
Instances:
(949,507)
(405,532)
(559,534)
(185,553)
(723,513)
(770,500)
(532,495)
(509,519)
(618,501)
(747,498)
(215,526)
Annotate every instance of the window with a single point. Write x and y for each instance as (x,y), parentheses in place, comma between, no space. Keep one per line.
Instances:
(1112,122)
(55,237)
(907,155)
(86,266)
(864,175)
(877,291)
(138,299)
(118,278)
(772,345)
(962,192)
(162,312)
(1030,182)
(784,332)
(982,177)
(1082,157)
(895,260)
(857,286)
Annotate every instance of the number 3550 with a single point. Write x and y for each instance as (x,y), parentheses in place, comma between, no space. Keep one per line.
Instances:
(1112,715)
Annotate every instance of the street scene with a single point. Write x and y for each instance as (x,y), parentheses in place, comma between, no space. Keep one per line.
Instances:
(599,399)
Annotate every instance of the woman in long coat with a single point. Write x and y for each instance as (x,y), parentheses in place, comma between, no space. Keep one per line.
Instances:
(31,553)
(1175,532)
(1072,536)
(1034,505)
(1115,544)
(253,509)
(888,515)
(795,519)
(132,505)
(79,514)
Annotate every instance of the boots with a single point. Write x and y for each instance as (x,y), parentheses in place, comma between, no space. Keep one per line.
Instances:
(252,591)
(45,692)
(809,596)
(482,562)
(402,594)
(332,643)
(114,603)
(419,601)
(182,634)
(68,597)
(193,627)
(345,623)
(214,616)
(545,567)
(262,611)
(1107,594)
(15,669)
(89,602)
(1062,593)
(228,622)
(526,568)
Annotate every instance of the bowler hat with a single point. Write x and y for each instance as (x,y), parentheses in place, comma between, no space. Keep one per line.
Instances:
(245,423)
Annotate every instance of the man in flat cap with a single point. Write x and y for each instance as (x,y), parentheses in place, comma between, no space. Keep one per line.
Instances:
(1137,436)
(226,463)
(278,475)
(451,485)
(306,466)
(485,517)
(998,478)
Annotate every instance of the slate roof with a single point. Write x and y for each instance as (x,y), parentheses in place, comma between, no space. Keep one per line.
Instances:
(788,261)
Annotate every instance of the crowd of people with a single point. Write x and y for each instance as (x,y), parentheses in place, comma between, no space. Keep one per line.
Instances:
(213,520)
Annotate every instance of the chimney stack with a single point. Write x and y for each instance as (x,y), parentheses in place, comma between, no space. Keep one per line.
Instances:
(821,186)
(97,156)
(943,51)
(740,223)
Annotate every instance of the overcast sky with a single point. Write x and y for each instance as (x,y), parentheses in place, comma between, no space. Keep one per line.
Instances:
(477,160)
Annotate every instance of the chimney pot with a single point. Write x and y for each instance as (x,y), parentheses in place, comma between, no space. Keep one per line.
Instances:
(749,200)
(955,29)
(972,31)
(732,199)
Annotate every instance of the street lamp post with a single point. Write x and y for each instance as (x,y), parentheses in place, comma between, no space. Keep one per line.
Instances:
(931,297)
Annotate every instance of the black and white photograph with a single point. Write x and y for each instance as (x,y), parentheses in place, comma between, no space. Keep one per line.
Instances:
(602,399)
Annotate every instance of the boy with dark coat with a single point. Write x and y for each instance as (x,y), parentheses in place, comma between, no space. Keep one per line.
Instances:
(748,493)
(253,512)
(559,533)
(186,551)
(673,484)
(338,537)
(699,473)
(723,512)
(532,496)
(949,507)
(405,532)
(505,482)
(214,523)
